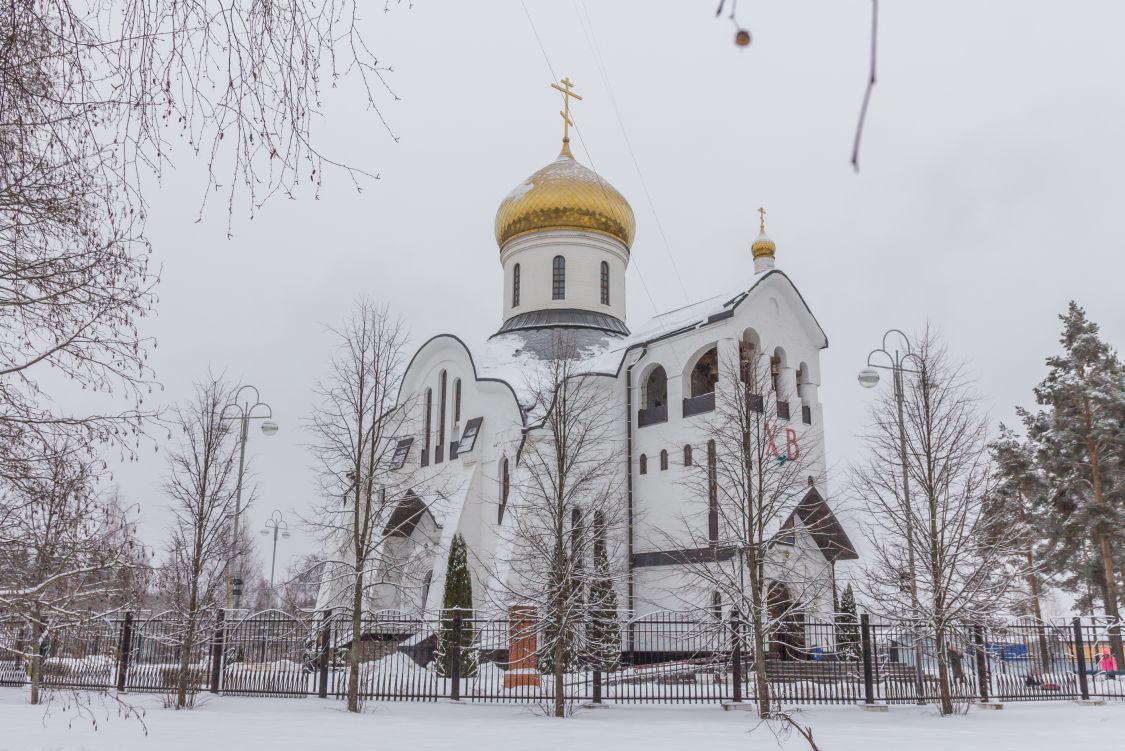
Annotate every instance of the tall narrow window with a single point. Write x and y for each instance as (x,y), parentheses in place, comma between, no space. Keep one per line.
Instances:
(575,534)
(717,605)
(558,278)
(516,286)
(439,453)
(605,283)
(643,462)
(504,486)
(687,454)
(712,494)
(456,400)
(663,459)
(426,427)
(599,536)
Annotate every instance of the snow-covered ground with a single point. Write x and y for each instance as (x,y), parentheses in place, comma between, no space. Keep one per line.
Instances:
(261,724)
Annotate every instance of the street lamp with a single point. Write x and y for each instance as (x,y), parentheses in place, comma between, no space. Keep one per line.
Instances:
(896,361)
(244,410)
(277,524)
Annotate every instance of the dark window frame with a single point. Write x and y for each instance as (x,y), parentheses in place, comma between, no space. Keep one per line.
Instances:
(439,451)
(427,415)
(516,286)
(663,459)
(469,435)
(402,450)
(712,494)
(642,463)
(605,283)
(558,278)
(505,487)
(687,455)
(456,400)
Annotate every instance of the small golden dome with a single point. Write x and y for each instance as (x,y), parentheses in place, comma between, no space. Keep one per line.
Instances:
(763,245)
(565,195)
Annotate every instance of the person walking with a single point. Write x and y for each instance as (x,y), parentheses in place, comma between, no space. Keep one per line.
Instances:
(955,660)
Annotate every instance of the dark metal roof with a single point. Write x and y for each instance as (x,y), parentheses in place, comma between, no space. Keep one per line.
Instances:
(824,527)
(564,317)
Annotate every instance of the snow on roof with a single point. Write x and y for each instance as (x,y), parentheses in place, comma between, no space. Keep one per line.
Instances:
(510,357)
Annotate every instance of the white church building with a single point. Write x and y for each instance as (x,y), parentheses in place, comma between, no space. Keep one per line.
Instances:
(565,237)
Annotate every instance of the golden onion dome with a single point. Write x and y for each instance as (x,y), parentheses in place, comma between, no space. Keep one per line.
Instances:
(565,195)
(763,245)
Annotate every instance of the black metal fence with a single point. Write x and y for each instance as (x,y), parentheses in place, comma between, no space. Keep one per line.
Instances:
(665,658)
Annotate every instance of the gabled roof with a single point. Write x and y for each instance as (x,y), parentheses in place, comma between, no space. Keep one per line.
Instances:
(823,527)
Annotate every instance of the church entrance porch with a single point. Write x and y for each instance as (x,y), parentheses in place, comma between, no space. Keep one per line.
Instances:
(787,635)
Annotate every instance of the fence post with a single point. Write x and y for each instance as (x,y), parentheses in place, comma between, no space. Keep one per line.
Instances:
(455,657)
(736,654)
(217,653)
(1080,655)
(982,661)
(322,658)
(868,676)
(598,685)
(124,648)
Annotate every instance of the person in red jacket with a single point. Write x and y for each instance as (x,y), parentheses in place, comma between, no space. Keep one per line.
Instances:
(1108,664)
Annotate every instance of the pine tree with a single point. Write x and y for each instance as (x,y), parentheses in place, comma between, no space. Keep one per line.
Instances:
(603,634)
(1080,450)
(457,598)
(1017,501)
(847,627)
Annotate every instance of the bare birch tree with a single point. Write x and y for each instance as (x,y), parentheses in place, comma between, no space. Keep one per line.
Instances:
(68,552)
(201,487)
(93,98)
(565,520)
(362,444)
(964,563)
(744,490)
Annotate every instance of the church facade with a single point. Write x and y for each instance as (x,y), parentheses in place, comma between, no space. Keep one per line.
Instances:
(565,236)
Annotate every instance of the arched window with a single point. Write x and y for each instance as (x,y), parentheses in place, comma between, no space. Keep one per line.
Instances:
(705,374)
(687,454)
(558,278)
(656,389)
(504,487)
(427,412)
(777,362)
(749,353)
(516,286)
(663,459)
(643,462)
(575,536)
(439,454)
(456,401)
(605,283)
(712,493)
(717,605)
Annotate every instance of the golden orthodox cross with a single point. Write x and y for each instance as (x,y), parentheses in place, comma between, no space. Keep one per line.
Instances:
(567,94)
(762,214)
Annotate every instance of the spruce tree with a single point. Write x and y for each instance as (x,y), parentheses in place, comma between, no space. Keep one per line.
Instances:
(1079,446)
(847,627)
(457,598)
(603,633)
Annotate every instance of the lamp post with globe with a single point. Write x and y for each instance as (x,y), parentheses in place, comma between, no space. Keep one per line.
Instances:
(277,524)
(243,409)
(900,359)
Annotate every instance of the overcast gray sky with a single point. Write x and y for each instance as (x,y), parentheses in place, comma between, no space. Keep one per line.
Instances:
(990,192)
